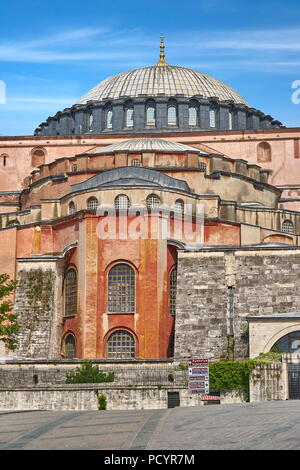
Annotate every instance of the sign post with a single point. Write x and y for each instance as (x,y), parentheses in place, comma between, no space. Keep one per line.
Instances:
(198,376)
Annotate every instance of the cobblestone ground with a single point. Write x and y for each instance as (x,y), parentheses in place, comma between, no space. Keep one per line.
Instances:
(270,425)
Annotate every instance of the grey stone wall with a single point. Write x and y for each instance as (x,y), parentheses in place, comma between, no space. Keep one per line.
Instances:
(83,397)
(40,320)
(218,290)
(75,120)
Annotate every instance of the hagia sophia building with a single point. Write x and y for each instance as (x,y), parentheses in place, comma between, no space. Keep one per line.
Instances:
(215,183)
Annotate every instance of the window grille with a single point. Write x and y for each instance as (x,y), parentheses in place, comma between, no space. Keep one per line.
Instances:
(129,117)
(192,116)
(122,202)
(153,201)
(172,115)
(173,290)
(135,162)
(179,206)
(212,118)
(121,345)
(230,120)
(70,347)
(71,293)
(74,167)
(91,120)
(121,289)
(93,204)
(288,226)
(151,118)
(109,116)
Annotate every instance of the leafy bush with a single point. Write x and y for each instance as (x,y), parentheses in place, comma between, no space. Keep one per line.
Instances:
(234,375)
(102,402)
(89,374)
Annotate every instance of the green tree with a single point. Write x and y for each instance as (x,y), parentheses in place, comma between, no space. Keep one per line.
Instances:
(9,327)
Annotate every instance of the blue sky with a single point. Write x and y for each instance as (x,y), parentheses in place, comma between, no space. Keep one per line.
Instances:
(51,53)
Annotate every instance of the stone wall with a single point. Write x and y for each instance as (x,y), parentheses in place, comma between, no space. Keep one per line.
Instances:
(269,382)
(85,397)
(38,305)
(218,290)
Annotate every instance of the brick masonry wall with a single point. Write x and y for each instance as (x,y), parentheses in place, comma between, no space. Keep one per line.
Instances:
(262,282)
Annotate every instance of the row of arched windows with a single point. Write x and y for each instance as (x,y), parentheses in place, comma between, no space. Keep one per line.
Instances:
(172,115)
(122,202)
(121,290)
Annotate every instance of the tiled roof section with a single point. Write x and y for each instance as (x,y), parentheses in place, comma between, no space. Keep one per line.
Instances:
(169,80)
(149,145)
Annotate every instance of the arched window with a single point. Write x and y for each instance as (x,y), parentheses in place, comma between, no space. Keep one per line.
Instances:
(153,201)
(121,289)
(38,157)
(122,202)
(129,114)
(193,114)
(264,152)
(172,114)
(121,345)
(150,113)
(230,117)
(91,121)
(108,117)
(69,346)
(179,206)
(71,293)
(173,290)
(289,343)
(212,116)
(92,204)
(72,208)
(288,226)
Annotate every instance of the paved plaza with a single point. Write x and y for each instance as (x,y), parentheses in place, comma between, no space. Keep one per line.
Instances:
(268,425)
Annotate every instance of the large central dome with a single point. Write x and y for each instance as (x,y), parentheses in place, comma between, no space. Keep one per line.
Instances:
(169,80)
(157,99)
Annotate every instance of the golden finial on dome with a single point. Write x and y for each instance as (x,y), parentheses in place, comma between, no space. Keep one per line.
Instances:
(162,62)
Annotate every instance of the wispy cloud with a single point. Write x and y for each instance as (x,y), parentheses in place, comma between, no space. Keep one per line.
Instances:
(107,45)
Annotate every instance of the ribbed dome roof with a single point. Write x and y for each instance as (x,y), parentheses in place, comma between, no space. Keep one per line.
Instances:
(170,80)
(149,145)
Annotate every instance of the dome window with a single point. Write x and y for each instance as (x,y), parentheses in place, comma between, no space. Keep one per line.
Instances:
(91,120)
(122,202)
(129,113)
(288,226)
(179,206)
(151,114)
(153,201)
(109,116)
(230,117)
(136,162)
(193,116)
(92,204)
(172,115)
(212,117)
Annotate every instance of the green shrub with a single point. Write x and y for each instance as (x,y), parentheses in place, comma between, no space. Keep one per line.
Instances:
(102,402)
(89,374)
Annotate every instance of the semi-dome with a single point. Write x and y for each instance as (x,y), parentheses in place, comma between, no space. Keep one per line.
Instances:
(149,145)
(168,80)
